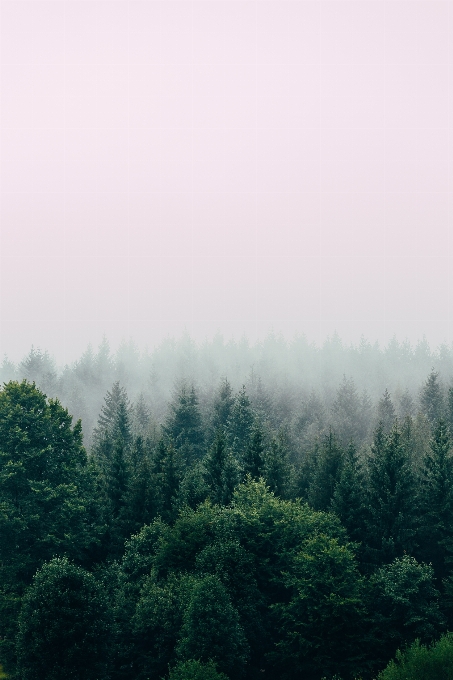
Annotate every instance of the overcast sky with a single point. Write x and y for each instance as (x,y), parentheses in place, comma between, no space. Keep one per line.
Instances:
(229,166)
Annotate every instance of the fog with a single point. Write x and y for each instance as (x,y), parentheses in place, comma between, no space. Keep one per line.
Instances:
(234,167)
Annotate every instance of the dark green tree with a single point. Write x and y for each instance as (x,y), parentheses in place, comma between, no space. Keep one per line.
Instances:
(386,412)
(436,500)
(183,425)
(326,473)
(196,670)
(392,508)
(348,500)
(221,470)
(240,423)
(253,455)
(211,629)
(64,625)
(222,408)
(277,469)
(403,605)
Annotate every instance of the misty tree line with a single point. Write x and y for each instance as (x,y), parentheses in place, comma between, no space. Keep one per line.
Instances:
(237,531)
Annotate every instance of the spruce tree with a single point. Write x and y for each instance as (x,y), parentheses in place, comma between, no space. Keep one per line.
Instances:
(183,425)
(253,456)
(240,423)
(391,499)
(326,473)
(348,500)
(432,399)
(436,533)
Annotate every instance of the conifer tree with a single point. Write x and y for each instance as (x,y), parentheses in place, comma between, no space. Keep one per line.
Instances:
(326,473)
(348,500)
(277,468)
(253,457)
(386,412)
(223,405)
(221,470)
(240,423)
(432,399)
(183,425)
(436,534)
(391,499)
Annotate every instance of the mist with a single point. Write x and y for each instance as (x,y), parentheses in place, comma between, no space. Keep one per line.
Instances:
(224,167)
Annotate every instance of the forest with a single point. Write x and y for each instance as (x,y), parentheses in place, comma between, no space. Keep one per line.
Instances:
(228,510)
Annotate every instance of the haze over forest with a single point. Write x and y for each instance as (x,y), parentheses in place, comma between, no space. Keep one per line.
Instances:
(224,166)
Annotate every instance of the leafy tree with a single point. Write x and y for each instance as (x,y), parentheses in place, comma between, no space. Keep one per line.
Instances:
(196,670)
(321,624)
(422,662)
(403,605)
(63,625)
(211,629)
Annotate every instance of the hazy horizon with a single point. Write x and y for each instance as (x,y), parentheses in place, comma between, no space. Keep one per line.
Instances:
(224,166)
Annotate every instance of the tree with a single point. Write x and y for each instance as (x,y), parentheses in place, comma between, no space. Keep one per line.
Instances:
(422,662)
(391,499)
(386,412)
(253,456)
(211,629)
(63,625)
(240,423)
(196,670)
(403,605)
(348,500)
(183,425)
(114,417)
(221,471)
(436,533)
(223,405)
(432,398)
(326,473)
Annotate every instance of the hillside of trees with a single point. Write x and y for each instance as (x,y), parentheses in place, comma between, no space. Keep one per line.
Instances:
(227,511)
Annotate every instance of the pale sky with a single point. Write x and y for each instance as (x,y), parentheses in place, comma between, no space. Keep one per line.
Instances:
(224,165)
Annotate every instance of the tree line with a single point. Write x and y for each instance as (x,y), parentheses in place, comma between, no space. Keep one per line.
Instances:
(226,541)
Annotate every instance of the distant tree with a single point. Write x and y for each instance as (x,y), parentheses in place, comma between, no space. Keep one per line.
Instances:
(386,412)
(183,425)
(432,398)
(277,470)
(221,470)
(64,626)
(347,414)
(141,416)
(115,415)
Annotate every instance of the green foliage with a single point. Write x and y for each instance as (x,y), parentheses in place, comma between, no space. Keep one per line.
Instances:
(432,398)
(183,425)
(196,670)
(392,499)
(421,662)
(240,423)
(403,605)
(326,473)
(211,629)
(63,625)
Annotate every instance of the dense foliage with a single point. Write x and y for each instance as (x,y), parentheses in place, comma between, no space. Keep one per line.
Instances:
(236,533)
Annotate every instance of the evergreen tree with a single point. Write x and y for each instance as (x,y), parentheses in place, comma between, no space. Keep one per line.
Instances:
(348,500)
(436,532)
(253,456)
(326,473)
(347,414)
(184,427)
(221,471)
(391,494)
(240,423)
(114,417)
(223,405)
(277,470)
(432,398)
(386,412)
(166,472)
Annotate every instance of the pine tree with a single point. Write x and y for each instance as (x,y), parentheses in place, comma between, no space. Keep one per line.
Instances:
(386,412)
(223,405)
(391,499)
(432,399)
(436,544)
(326,473)
(183,425)
(277,468)
(253,457)
(166,472)
(221,470)
(114,416)
(240,423)
(348,500)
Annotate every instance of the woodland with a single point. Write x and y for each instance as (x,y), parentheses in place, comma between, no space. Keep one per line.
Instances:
(227,510)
